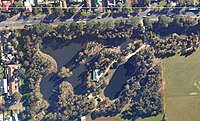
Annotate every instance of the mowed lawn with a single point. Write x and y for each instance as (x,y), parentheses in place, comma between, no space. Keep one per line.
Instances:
(157,118)
(180,74)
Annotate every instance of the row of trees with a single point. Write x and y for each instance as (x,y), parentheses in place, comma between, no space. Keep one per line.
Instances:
(165,22)
(109,29)
(106,29)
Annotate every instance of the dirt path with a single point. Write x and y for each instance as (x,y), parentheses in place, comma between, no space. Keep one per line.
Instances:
(163,89)
(132,54)
(108,68)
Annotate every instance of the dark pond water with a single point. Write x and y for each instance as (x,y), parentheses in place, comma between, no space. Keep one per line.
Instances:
(64,55)
(116,83)
(118,80)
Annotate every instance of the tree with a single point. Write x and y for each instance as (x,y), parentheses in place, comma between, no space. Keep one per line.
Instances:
(49,6)
(58,12)
(17,96)
(184,22)
(98,12)
(22,71)
(164,21)
(147,23)
(64,72)
(83,13)
(16,43)
(148,2)
(40,10)
(134,22)
(20,54)
(73,10)
(5,16)
(109,12)
(17,7)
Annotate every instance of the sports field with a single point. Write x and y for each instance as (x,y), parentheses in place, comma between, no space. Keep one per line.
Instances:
(180,74)
(157,118)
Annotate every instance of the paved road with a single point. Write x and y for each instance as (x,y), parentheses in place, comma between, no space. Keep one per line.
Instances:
(14,23)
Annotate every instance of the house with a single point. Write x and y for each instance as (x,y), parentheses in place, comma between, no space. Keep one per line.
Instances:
(111,3)
(1,117)
(98,98)
(83,118)
(96,75)
(90,96)
(28,6)
(89,4)
(5,4)
(3,87)
(11,70)
(98,3)
(130,2)
(15,117)
(45,2)
(76,1)
(13,87)
(155,1)
(9,118)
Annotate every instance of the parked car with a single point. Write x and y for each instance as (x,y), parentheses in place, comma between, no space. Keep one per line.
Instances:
(144,16)
(148,14)
(99,17)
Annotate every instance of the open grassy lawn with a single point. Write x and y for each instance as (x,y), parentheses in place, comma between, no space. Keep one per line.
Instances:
(180,74)
(157,118)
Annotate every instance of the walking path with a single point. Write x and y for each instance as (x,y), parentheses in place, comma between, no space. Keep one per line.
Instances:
(132,54)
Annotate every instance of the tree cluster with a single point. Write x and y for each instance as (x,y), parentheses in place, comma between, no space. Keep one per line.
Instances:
(174,44)
(70,106)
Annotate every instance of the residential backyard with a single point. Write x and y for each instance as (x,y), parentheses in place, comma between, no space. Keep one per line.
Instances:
(182,97)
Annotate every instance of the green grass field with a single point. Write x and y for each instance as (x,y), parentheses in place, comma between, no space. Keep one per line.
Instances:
(180,74)
(157,118)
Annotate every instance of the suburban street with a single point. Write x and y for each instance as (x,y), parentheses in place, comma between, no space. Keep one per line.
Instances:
(15,23)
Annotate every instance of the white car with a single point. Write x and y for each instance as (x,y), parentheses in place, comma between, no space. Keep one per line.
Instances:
(99,17)
(148,14)
(144,16)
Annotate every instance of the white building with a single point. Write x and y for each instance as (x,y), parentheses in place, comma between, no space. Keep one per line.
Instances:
(3,87)
(83,118)
(1,117)
(96,75)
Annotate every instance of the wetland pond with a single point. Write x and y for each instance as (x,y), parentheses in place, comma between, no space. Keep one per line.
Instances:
(65,56)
